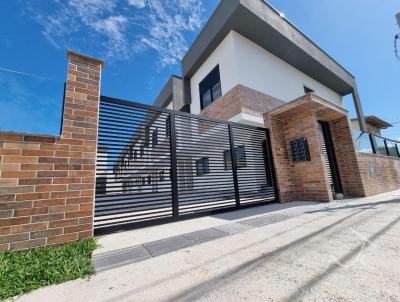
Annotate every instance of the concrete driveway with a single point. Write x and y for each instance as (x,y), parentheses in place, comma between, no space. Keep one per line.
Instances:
(342,251)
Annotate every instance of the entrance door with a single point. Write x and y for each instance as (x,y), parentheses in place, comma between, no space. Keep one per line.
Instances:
(330,157)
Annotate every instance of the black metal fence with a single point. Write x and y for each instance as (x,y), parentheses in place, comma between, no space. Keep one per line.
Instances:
(156,165)
(366,142)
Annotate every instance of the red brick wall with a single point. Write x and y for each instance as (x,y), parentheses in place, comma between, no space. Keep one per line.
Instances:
(281,159)
(346,156)
(304,180)
(241,99)
(47,183)
(379,173)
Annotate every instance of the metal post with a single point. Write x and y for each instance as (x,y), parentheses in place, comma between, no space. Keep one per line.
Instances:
(174,169)
(386,147)
(373,143)
(234,166)
(359,110)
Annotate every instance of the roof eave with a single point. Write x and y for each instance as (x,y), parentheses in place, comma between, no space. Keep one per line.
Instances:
(260,23)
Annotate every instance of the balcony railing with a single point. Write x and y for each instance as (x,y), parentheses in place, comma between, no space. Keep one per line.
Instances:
(366,142)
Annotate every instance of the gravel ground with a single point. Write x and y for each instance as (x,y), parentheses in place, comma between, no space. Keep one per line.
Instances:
(342,251)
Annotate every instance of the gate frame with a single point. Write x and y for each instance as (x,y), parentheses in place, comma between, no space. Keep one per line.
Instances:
(174,169)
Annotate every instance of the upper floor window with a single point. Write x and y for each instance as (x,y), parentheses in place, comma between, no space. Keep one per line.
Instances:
(210,88)
(308,90)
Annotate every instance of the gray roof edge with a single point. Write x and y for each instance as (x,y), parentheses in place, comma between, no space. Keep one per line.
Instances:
(222,21)
(169,91)
(307,37)
(165,94)
(225,9)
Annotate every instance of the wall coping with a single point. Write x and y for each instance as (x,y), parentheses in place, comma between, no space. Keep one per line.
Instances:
(305,99)
(30,134)
(377,155)
(75,53)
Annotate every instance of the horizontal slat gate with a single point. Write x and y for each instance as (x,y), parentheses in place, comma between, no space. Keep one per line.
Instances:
(254,176)
(206,141)
(155,165)
(133,175)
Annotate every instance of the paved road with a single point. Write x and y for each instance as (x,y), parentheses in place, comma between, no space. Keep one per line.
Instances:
(343,251)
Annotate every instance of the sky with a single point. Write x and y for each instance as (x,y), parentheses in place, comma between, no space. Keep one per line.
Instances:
(142,42)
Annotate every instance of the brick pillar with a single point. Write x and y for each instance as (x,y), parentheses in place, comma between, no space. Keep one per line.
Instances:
(304,180)
(79,133)
(47,183)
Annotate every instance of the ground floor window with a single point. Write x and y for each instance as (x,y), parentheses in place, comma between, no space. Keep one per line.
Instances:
(240,152)
(202,166)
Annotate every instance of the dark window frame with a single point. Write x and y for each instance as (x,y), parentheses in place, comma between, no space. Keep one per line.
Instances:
(207,84)
(202,166)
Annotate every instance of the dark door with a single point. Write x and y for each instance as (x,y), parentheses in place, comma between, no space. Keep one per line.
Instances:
(330,157)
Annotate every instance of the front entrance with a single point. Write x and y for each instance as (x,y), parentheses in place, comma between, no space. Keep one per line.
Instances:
(325,136)
(156,165)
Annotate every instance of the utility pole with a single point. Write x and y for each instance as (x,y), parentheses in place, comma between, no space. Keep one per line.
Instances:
(397,38)
(398,19)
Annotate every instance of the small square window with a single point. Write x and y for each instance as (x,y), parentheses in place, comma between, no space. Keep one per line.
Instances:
(202,166)
(241,157)
(240,152)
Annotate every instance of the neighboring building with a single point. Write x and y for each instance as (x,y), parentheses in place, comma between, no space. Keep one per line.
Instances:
(250,56)
(374,124)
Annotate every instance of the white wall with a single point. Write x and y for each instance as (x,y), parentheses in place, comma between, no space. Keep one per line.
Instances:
(224,55)
(243,62)
(170,105)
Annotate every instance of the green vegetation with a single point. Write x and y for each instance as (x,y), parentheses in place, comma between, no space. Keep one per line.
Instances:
(24,271)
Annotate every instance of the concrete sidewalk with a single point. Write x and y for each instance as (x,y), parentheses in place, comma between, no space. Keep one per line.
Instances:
(342,251)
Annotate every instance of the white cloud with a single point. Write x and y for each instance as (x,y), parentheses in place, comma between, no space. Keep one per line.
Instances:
(137,3)
(157,25)
(167,22)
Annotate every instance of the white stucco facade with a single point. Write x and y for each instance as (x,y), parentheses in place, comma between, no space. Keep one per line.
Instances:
(243,62)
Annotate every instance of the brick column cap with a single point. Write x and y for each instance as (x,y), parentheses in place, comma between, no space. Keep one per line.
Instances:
(87,57)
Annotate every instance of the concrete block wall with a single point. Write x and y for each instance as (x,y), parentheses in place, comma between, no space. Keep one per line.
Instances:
(47,184)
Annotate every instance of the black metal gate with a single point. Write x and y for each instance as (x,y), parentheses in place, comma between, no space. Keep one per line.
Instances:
(156,165)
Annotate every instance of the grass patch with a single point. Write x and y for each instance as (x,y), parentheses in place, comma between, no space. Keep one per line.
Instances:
(24,271)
